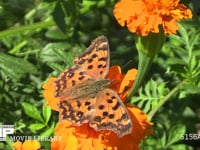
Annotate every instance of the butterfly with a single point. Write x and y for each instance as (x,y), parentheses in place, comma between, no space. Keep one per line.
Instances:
(85,95)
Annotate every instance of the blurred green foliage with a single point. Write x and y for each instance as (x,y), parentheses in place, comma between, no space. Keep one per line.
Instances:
(39,39)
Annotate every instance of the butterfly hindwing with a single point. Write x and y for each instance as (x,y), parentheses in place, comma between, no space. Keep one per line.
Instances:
(77,111)
(111,114)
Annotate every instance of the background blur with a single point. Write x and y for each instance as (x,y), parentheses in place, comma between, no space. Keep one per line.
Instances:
(38,39)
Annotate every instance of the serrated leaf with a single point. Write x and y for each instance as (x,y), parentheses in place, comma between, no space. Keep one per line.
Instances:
(184,34)
(31,111)
(147,106)
(36,126)
(15,67)
(150,95)
(46,112)
(190,89)
(175,134)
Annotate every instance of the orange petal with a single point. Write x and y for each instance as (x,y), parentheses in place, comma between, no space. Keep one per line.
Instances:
(31,145)
(145,16)
(115,75)
(124,10)
(68,139)
(129,76)
(48,94)
(17,145)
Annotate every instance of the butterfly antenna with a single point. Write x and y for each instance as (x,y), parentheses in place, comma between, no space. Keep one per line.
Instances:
(128,63)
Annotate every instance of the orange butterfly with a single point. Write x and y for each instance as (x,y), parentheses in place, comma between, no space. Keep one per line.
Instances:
(86,98)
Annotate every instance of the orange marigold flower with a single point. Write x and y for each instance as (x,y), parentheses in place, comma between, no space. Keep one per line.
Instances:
(144,16)
(27,145)
(85,137)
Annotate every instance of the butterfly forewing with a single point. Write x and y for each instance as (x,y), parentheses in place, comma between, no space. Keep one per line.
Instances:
(69,78)
(96,57)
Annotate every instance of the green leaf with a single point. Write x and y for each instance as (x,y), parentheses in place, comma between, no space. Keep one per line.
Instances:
(49,131)
(15,67)
(46,112)
(36,126)
(56,34)
(31,111)
(175,134)
(59,17)
(54,52)
(9,143)
(181,147)
(55,66)
(150,95)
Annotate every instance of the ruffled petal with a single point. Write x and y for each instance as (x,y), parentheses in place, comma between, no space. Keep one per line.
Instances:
(145,16)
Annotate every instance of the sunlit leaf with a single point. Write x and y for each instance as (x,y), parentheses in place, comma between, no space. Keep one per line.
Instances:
(32,111)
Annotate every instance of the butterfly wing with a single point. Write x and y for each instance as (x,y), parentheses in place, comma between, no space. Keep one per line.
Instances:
(69,78)
(105,111)
(111,114)
(95,60)
(92,64)
(77,111)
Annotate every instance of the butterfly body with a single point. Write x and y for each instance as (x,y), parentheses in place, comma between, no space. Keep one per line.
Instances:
(88,89)
(85,95)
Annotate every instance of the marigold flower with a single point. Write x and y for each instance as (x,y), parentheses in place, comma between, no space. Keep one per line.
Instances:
(85,137)
(27,145)
(144,16)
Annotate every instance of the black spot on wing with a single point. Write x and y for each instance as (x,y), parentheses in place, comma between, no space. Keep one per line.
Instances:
(109,101)
(90,67)
(100,66)
(105,113)
(73,82)
(90,60)
(87,103)
(97,119)
(111,116)
(81,77)
(116,106)
(94,55)
(103,59)
(79,114)
(101,107)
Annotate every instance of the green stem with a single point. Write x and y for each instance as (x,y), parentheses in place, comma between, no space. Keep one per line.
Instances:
(162,102)
(143,67)
(16,30)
